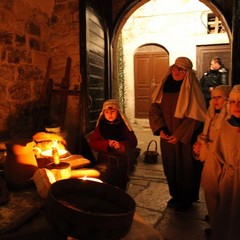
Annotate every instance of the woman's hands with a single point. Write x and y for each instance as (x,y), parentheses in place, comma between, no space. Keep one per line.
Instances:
(197,148)
(169,138)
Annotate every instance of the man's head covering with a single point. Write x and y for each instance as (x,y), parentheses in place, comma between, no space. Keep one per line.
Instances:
(190,103)
(113,104)
(235,93)
(224,91)
(184,62)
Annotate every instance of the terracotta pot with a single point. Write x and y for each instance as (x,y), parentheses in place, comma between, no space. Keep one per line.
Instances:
(20,163)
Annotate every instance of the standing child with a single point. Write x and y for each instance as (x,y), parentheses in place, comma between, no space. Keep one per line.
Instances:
(115,142)
(217,112)
(226,170)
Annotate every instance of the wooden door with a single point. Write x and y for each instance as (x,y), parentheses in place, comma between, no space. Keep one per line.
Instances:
(149,69)
(94,70)
(94,64)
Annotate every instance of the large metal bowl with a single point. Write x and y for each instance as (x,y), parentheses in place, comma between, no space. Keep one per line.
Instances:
(86,209)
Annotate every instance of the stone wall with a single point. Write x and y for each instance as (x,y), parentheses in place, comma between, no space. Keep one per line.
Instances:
(24,53)
(28,38)
(63,43)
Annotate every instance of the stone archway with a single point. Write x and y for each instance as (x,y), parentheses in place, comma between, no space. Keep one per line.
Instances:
(173,52)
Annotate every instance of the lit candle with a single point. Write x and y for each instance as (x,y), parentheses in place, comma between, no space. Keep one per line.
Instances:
(55,154)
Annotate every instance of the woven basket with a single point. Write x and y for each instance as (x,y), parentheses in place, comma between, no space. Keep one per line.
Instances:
(151,156)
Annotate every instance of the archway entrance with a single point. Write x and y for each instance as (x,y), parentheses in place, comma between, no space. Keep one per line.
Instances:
(150,64)
(163,27)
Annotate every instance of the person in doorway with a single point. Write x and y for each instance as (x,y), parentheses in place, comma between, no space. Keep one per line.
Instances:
(216,75)
(115,142)
(177,114)
(217,112)
(226,172)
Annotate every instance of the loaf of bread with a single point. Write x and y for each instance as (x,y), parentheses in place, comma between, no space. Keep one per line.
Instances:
(77,161)
(85,172)
(45,137)
(43,178)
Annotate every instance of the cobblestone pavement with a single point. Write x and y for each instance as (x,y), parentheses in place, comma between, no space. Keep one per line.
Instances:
(149,188)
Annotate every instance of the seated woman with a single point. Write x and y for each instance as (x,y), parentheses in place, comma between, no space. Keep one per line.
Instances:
(115,142)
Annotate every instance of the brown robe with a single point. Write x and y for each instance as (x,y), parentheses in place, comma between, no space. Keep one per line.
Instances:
(226,171)
(208,179)
(182,171)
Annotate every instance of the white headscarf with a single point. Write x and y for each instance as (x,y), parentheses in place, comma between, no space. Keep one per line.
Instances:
(190,103)
(235,93)
(221,90)
(113,103)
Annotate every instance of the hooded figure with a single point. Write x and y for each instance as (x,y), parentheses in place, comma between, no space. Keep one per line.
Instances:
(115,142)
(190,95)
(217,112)
(176,115)
(226,159)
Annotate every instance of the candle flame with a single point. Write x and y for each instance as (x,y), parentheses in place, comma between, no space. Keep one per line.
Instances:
(55,153)
(54,143)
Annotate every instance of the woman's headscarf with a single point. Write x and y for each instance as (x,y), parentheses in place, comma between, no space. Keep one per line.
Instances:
(190,103)
(235,93)
(221,90)
(113,103)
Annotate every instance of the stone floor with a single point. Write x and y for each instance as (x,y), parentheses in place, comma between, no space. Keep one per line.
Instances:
(149,188)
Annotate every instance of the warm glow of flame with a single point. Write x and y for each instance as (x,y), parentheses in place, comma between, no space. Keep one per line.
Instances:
(48,153)
(91,179)
(54,143)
